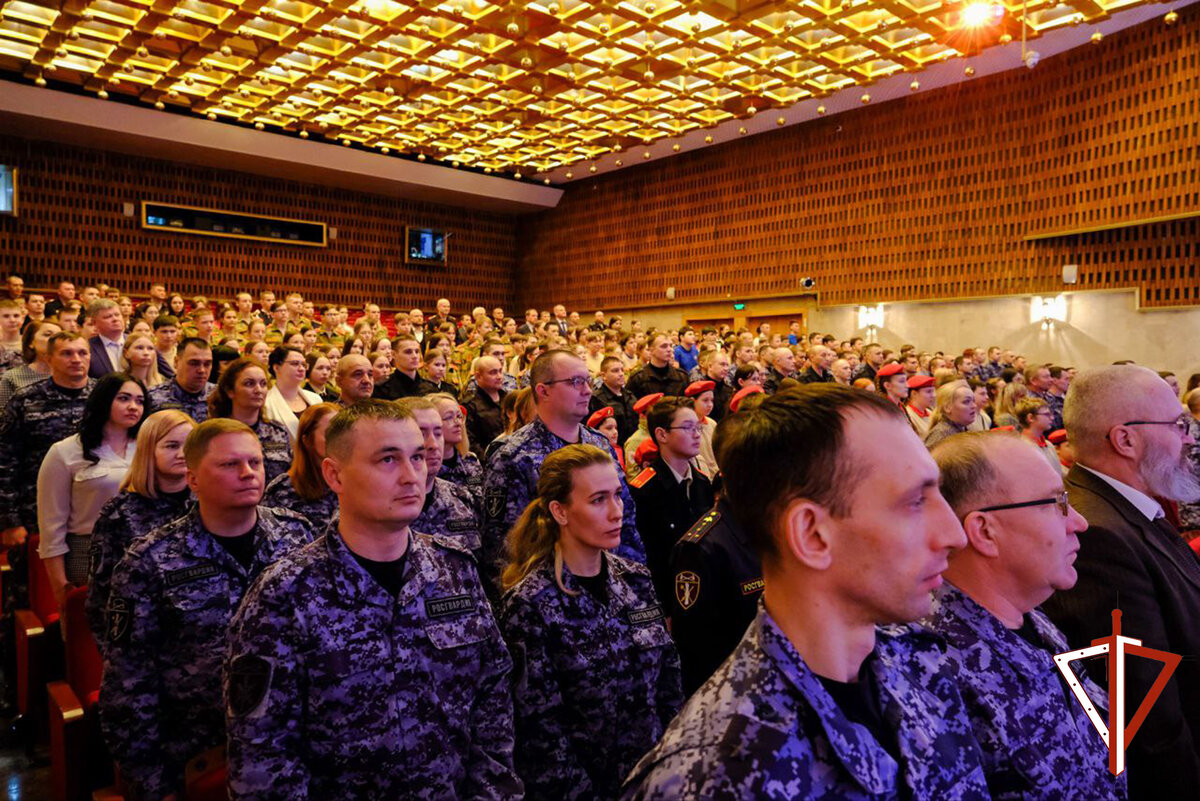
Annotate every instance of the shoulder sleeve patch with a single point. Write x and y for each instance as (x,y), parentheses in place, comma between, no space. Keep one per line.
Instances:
(702,526)
(249,682)
(643,478)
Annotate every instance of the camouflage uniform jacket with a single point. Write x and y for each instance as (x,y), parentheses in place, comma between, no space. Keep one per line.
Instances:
(511,483)
(595,683)
(38,416)
(172,396)
(172,598)
(277,447)
(10,359)
(336,689)
(281,494)
(123,519)
(1037,741)
(466,471)
(450,511)
(765,727)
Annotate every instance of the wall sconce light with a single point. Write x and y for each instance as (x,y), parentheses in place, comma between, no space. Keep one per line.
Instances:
(870,317)
(1048,311)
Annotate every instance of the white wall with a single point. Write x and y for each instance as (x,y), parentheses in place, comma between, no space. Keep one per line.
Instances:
(1100,327)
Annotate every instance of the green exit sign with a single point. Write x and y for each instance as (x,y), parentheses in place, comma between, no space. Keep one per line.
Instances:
(739,306)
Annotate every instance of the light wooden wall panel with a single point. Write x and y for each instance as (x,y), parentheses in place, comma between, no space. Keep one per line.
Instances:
(929,197)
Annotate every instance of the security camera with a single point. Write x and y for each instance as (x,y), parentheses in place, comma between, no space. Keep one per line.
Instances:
(807,283)
(1032,57)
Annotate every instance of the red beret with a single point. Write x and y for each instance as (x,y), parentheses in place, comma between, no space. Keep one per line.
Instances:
(463,409)
(890,369)
(1057,437)
(699,388)
(920,381)
(742,393)
(645,452)
(1004,430)
(599,416)
(645,402)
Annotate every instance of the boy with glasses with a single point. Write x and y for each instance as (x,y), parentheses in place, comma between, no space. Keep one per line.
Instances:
(670,493)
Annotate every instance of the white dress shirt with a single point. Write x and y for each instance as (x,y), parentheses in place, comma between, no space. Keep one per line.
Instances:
(1149,507)
(71,490)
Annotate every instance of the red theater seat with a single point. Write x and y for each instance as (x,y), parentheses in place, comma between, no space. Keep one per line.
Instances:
(38,646)
(77,754)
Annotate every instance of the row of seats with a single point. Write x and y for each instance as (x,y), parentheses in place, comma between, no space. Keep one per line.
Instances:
(58,686)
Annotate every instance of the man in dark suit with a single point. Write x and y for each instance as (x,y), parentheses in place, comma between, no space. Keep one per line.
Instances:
(1131,449)
(670,494)
(530,326)
(109,340)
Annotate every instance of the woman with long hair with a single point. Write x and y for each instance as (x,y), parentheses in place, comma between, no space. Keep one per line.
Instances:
(258,350)
(434,371)
(153,493)
(288,399)
(1006,410)
(320,370)
(241,394)
(459,465)
(81,473)
(517,411)
(954,413)
(302,488)
(140,360)
(177,306)
(600,677)
(34,341)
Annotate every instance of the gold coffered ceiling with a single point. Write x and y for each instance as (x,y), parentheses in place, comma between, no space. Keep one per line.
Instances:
(514,87)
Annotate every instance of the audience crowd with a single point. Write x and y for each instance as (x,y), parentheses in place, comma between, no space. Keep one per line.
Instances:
(337,556)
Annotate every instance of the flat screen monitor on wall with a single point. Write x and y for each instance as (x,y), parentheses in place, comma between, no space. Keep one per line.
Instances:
(424,246)
(8,191)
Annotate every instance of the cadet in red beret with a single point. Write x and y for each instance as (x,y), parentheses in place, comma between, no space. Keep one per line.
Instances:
(920,403)
(736,401)
(892,382)
(605,421)
(703,395)
(642,406)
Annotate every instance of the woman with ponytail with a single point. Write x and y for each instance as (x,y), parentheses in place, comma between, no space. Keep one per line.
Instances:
(596,676)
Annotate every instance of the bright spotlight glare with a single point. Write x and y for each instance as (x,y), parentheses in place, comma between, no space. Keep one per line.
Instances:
(977,14)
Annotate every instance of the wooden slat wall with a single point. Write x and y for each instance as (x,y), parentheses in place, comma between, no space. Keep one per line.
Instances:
(929,197)
(72,226)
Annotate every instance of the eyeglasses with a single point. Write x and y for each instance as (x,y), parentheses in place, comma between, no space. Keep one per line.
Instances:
(691,428)
(577,382)
(1181,423)
(1060,499)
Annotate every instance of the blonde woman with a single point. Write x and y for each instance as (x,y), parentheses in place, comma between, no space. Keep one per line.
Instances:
(459,465)
(1006,408)
(954,414)
(153,493)
(599,677)
(140,360)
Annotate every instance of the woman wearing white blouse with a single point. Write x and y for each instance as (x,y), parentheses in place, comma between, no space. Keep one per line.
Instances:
(80,473)
(287,401)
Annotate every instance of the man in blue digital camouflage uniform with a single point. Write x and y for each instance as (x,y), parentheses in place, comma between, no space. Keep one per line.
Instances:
(368,665)
(562,388)
(841,501)
(169,606)
(1022,538)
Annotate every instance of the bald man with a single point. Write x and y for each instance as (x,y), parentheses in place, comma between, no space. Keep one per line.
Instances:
(1022,538)
(485,421)
(1131,450)
(354,378)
